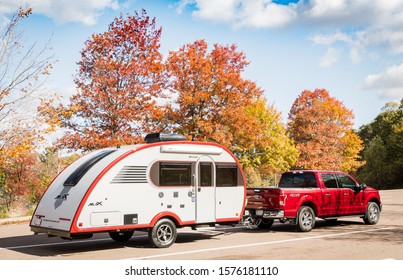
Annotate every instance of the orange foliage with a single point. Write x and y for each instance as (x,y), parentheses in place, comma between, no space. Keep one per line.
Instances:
(119,81)
(321,126)
(210,96)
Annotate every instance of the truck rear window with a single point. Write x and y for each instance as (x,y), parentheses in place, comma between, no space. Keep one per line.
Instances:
(298,180)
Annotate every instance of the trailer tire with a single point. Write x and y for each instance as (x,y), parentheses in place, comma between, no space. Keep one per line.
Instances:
(372,213)
(265,223)
(163,234)
(121,236)
(305,219)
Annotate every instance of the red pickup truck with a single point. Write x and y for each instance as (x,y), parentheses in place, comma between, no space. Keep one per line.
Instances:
(301,196)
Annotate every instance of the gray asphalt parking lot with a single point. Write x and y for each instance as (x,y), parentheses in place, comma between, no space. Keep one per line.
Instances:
(348,239)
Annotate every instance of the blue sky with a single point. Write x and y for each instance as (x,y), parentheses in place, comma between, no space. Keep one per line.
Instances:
(352,48)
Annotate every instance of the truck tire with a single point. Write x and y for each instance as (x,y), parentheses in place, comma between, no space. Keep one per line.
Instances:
(163,234)
(372,213)
(265,223)
(305,219)
(121,236)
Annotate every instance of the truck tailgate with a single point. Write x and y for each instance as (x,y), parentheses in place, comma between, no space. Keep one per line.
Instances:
(264,198)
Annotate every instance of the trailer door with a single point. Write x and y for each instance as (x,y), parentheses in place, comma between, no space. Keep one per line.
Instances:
(205,189)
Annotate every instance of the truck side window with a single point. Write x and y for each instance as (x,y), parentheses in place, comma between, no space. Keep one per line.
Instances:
(298,180)
(175,174)
(329,180)
(227,175)
(346,182)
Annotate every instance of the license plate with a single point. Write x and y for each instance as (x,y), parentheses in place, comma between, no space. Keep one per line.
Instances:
(259,212)
(37,221)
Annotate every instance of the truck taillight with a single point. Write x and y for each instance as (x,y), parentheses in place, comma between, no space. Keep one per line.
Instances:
(281,200)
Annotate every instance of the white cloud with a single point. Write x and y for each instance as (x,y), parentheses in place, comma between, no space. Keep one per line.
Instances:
(243,13)
(331,56)
(217,10)
(86,12)
(360,24)
(263,13)
(376,23)
(389,83)
(329,39)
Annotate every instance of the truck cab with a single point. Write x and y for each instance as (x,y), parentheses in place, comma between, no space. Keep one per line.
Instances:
(303,195)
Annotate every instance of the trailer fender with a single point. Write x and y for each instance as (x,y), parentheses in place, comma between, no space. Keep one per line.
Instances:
(172,216)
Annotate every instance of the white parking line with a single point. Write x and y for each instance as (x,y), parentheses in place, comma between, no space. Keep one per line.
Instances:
(104,239)
(258,244)
(201,250)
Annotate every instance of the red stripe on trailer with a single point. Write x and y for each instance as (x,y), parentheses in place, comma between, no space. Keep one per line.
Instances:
(172,215)
(227,220)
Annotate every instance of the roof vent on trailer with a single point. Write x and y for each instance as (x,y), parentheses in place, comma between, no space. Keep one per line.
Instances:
(162,137)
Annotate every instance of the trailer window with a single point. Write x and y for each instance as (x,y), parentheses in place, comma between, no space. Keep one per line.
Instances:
(76,176)
(227,175)
(205,174)
(175,174)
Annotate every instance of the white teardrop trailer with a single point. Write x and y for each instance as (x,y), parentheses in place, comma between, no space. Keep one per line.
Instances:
(159,186)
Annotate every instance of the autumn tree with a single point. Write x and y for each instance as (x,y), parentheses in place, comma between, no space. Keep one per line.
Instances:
(119,81)
(322,128)
(211,101)
(208,91)
(268,151)
(17,159)
(23,70)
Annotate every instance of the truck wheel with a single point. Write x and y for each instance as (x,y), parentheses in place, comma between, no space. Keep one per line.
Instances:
(266,223)
(121,236)
(305,219)
(372,214)
(163,234)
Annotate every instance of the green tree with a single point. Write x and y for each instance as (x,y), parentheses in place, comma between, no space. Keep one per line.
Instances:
(383,153)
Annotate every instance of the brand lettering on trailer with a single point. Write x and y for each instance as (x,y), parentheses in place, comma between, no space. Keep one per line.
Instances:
(98,203)
(62,196)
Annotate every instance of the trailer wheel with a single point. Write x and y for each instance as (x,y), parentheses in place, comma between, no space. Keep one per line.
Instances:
(121,236)
(163,234)
(305,219)
(372,214)
(266,223)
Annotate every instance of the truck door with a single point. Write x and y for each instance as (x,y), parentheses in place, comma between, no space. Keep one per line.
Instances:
(331,195)
(205,190)
(351,199)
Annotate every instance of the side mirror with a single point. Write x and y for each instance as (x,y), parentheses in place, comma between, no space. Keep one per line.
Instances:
(360,187)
